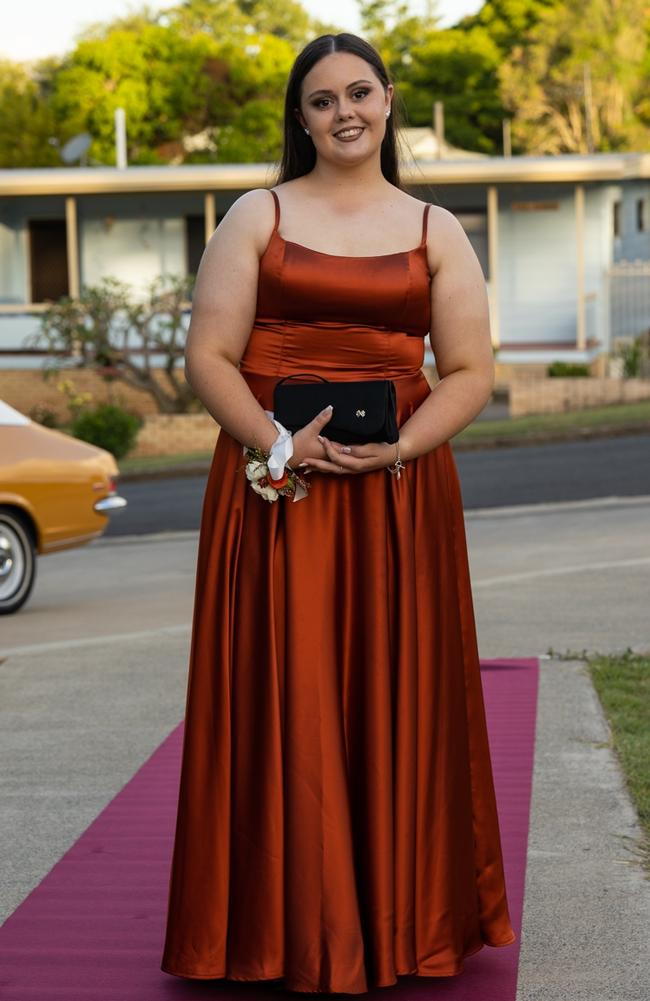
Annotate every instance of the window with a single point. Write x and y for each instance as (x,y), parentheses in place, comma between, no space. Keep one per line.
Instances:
(641,215)
(617,217)
(48,257)
(194,241)
(475,225)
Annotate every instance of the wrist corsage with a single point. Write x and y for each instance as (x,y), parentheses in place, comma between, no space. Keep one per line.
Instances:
(289,484)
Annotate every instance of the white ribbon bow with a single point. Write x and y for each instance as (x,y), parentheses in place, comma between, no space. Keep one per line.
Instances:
(281,452)
(281,449)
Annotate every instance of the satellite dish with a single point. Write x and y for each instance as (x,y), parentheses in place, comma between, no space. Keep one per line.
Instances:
(76,147)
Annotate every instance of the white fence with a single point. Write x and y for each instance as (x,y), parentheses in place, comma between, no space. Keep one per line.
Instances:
(629,299)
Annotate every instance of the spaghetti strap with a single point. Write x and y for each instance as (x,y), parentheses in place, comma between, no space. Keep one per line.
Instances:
(425,217)
(277,210)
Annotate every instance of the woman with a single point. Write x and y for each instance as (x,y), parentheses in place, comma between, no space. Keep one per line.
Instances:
(336,824)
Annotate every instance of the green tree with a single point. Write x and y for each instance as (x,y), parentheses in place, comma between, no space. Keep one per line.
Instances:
(458,65)
(191,93)
(204,80)
(577,49)
(27,122)
(285,19)
(508,22)
(431,64)
(159,77)
(249,116)
(458,68)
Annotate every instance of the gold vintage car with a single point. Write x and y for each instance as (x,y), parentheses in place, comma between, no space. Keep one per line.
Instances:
(55,492)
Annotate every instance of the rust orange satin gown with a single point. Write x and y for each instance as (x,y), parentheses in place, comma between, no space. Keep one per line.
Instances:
(336,823)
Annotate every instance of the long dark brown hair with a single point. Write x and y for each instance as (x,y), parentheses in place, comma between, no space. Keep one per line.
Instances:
(299,154)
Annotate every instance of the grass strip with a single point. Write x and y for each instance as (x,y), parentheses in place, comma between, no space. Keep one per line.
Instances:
(618,416)
(622,682)
(154,463)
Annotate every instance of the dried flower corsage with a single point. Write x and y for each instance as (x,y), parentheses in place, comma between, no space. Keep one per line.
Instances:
(290,483)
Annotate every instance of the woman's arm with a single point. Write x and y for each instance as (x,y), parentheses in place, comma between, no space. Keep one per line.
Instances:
(460,339)
(223,314)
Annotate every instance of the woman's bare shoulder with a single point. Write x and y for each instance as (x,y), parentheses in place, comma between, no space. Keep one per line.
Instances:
(249,219)
(446,238)
(442,216)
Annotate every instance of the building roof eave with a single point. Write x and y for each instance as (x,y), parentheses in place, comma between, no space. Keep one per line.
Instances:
(561,168)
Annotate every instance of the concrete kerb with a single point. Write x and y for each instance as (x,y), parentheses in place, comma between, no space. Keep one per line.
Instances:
(587,896)
(503,511)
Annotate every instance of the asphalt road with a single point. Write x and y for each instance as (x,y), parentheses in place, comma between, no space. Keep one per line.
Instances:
(496,477)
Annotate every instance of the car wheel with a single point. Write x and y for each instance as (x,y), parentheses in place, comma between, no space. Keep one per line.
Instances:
(17,562)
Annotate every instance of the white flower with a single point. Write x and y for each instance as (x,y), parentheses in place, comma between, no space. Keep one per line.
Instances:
(267,492)
(256,470)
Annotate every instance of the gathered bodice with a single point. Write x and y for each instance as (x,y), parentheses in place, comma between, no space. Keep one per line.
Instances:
(341,317)
(386,291)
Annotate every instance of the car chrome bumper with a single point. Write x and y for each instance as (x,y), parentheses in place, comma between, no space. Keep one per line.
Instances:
(110,504)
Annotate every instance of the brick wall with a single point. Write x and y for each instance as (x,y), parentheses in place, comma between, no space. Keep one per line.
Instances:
(555,395)
(25,388)
(164,434)
(508,372)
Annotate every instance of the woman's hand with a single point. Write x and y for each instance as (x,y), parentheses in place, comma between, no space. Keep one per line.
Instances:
(307,440)
(351,458)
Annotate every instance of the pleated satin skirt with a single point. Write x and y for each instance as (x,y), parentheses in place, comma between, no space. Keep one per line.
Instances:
(337,823)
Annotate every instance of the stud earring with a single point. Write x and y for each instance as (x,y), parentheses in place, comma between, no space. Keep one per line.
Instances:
(308,132)
(388,113)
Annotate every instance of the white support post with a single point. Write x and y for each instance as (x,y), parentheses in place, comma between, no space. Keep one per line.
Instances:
(493,260)
(210,212)
(120,139)
(72,246)
(581,319)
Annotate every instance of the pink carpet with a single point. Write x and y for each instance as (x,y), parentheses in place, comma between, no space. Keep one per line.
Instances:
(92,930)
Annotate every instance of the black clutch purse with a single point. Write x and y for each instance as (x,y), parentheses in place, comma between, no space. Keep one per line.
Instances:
(364,410)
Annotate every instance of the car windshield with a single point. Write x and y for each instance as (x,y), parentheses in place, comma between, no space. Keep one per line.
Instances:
(10,416)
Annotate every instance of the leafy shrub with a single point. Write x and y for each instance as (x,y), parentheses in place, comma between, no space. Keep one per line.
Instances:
(108,426)
(44,415)
(565,368)
(634,354)
(117,332)
(632,358)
